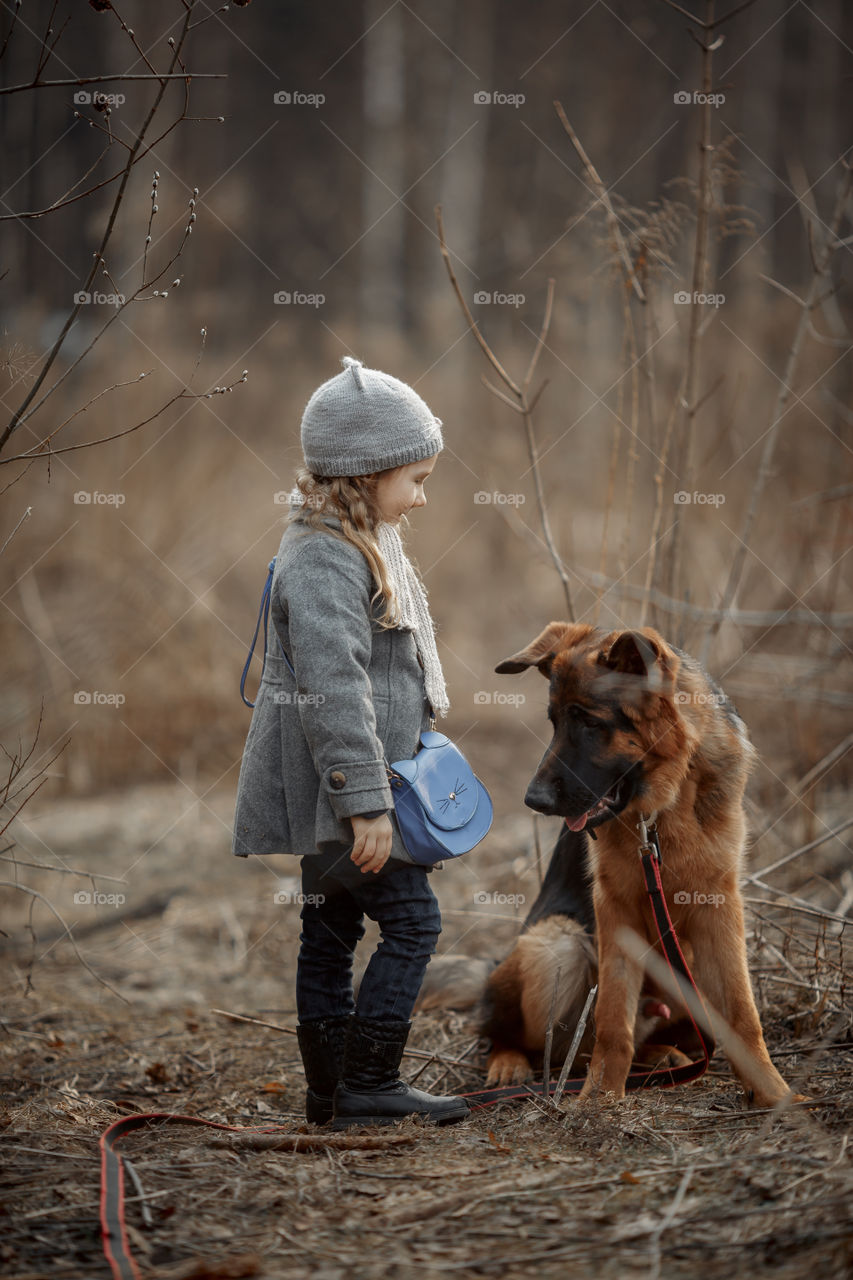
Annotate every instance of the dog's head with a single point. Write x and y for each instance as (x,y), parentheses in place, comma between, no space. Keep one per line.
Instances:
(618,737)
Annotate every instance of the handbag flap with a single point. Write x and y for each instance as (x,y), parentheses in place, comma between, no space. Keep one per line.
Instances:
(442,780)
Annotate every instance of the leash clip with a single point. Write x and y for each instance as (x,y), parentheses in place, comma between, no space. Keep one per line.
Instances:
(649,841)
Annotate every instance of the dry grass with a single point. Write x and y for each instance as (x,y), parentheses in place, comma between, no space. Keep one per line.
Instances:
(664,1183)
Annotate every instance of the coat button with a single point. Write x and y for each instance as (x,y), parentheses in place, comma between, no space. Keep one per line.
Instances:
(338,779)
(420,662)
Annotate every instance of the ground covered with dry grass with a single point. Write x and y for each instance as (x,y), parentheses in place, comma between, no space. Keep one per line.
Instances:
(672,1183)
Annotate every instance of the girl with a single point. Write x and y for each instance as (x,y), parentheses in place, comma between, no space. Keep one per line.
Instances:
(351,685)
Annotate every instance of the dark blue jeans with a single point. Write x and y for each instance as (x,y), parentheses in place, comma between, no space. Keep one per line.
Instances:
(337,897)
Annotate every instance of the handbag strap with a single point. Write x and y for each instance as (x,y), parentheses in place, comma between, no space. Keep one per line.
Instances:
(263,613)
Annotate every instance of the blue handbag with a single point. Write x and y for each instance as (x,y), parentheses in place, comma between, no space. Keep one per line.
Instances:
(442,808)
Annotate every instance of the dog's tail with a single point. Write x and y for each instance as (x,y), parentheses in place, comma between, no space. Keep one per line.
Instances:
(454,982)
(550,966)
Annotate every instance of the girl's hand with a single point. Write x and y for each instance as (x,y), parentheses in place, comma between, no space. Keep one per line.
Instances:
(372,846)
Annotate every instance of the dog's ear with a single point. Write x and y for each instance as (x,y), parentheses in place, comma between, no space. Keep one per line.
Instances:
(542,651)
(635,653)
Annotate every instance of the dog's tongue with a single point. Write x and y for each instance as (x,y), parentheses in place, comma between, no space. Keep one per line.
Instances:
(578,824)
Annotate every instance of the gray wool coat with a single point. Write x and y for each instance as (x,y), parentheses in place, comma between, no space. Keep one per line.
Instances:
(316,748)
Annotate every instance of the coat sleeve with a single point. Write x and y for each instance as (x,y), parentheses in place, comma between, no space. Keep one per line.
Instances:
(325,592)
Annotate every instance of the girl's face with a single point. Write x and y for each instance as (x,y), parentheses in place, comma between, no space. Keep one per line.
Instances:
(401,489)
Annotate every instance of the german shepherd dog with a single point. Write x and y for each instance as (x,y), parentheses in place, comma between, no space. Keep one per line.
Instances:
(639,730)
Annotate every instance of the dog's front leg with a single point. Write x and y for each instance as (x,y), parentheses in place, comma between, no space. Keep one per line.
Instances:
(722,974)
(619,983)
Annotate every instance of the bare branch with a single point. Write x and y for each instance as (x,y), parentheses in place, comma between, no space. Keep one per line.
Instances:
(38,451)
(685,465)
(782,289)
(56,84)
(543,335)
(24,517)
(15,421)
(806,848)
(601,192)
(496,391)
(22,888)
(521,403)
(472,323)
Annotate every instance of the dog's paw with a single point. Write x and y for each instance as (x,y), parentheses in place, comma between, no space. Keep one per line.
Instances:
(658,1057)
(600,1094)
(766,1102)
(790,1098)
(588,1094)
(508,1066)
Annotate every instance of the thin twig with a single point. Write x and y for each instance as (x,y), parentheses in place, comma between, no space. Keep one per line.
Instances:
(575,1045)
(601,191)
(472,323)
(549,1034)
(147,1215)
(22,888)
(700,251)
(98,257)
(521,400)
(158,75)
(24,517)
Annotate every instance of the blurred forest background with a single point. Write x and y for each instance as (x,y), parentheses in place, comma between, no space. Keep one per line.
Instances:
(306,149)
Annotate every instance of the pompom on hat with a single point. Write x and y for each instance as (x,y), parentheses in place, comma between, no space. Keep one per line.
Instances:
(363,421)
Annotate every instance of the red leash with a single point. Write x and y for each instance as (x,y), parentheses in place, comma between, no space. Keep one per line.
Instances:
(113,1228)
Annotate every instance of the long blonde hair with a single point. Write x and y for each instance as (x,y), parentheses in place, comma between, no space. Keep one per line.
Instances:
(353,500)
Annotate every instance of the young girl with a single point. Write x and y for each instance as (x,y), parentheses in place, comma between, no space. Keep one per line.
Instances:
(351,685)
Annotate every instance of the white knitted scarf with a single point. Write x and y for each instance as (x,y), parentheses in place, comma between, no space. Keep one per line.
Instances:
(409,607)
(411,610)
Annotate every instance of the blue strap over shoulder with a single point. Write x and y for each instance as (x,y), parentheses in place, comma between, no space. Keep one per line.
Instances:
(264,614)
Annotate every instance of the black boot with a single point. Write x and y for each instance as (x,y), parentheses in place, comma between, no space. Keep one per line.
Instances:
(371,1091)
(321,1044)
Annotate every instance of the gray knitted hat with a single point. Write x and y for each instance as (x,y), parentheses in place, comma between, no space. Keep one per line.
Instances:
(363,421)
